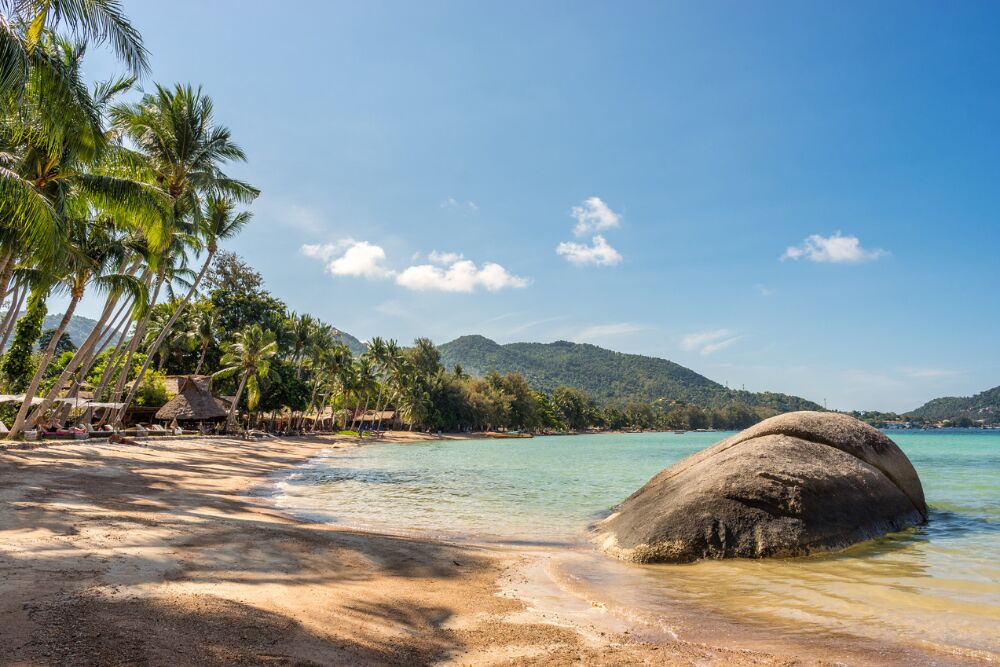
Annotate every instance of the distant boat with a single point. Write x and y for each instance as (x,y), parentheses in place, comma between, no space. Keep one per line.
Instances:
(680,432)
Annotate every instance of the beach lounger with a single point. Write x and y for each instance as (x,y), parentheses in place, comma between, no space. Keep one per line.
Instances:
(31,435)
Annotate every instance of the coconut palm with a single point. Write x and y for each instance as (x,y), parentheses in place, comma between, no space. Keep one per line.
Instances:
(70,176)
(93,249)
(203,327)
(24,24)
(218,223)
(302,329)
(55,170)
(183,149)
(249,356)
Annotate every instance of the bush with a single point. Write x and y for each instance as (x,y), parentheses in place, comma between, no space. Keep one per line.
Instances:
(152,392)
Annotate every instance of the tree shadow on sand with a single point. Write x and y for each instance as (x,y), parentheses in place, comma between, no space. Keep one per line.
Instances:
(96,497)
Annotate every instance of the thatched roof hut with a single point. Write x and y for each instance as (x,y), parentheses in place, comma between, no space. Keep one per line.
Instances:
(192,403)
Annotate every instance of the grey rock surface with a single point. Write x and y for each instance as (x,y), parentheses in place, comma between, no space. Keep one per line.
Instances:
(791,485)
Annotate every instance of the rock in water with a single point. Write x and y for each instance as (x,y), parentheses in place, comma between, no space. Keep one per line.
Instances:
(791,485)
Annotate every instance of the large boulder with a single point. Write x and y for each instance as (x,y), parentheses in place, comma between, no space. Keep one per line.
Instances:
(791,485)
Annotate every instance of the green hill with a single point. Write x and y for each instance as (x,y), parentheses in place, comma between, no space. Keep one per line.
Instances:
(356,346)
(78,328)
(984,405)
(604,374)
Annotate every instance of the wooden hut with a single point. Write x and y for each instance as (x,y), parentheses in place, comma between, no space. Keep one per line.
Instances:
(192,404)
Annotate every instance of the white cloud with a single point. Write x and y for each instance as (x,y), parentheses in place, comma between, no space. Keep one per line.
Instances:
(444,258)
(709,342)
(450,271)
(461,276)
(598,253)
(763,290)
(598,331)
(593,216)
(836,248)
(351,258)
(451,202)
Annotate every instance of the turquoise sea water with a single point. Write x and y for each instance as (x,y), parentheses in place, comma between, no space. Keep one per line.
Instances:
(937,586)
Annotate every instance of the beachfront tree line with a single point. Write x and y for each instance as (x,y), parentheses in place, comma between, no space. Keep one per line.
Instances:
(291,369)
(99,195)
(129,199)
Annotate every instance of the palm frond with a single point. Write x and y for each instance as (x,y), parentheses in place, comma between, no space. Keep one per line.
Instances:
(102,21)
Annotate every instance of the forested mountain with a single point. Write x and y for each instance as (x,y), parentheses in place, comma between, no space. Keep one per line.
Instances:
(353,344)
(604,374)
(984,405)
(77,330)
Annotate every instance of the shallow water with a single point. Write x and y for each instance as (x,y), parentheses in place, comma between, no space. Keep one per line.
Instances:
(936,587)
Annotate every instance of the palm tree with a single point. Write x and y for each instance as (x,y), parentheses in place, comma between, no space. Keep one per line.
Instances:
(249,356)
(93,250)
(183,149)
(392,359)
(203,329)
(70,177)
(362,381)
(24,23)
(217,224)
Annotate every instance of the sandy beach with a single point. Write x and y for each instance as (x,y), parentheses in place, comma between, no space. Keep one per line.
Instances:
(170,553)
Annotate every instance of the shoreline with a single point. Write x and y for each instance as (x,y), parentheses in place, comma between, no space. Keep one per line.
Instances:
(163,554)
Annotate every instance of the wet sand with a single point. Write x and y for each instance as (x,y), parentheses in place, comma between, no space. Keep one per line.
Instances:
(169,554)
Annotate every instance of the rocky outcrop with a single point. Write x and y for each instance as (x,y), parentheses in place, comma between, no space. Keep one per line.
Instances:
(791,485)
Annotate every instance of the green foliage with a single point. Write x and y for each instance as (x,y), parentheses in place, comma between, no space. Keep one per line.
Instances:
(282,388)
(65,343)
(152,391)
(238,297)
(19,363)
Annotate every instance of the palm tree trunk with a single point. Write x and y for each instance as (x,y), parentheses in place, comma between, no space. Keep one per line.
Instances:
(43,363)
(236,400)
(361,424)
(140,330)
(201,358)
(9,263)
(115,324)
(114,360)
(16,302)
(163,334)
(68,372)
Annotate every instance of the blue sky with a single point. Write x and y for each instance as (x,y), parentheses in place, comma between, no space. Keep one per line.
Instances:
(693,144)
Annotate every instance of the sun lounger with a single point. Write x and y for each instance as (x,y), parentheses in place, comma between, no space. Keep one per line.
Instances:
(31,435)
